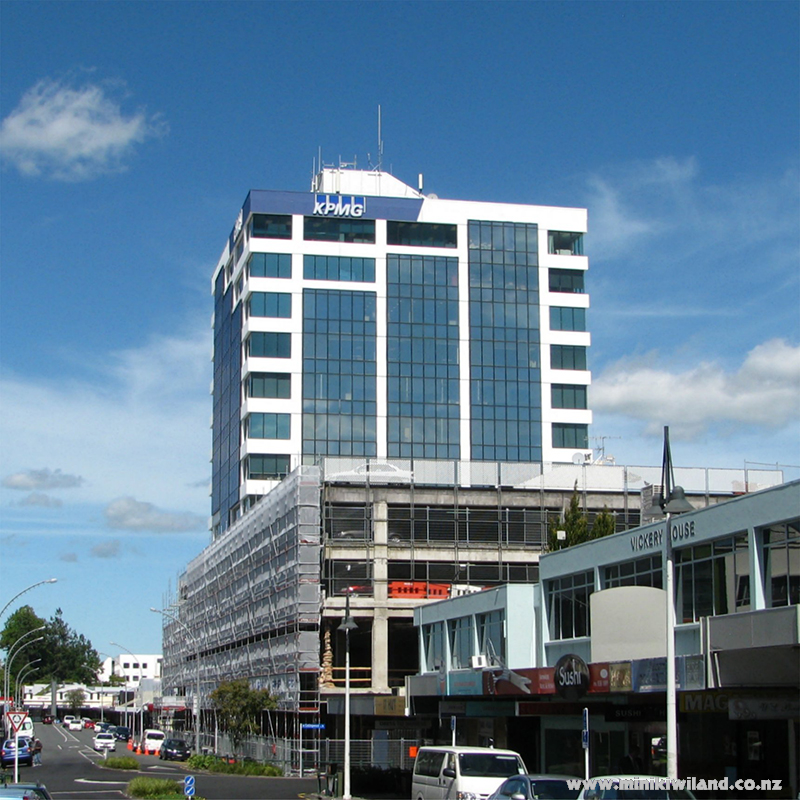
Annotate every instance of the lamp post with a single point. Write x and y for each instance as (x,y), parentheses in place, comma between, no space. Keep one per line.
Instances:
(32,586)
(139,688)
(673,502)
(348,624)
(196,644)
(23,673)
(12,654)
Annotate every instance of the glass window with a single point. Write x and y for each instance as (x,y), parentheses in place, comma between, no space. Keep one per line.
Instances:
(642,572)
(268,426)
(782,565)
(567,319)
(339,268)
(270,265)
(271,226)
(267,467)
(491,636)
(565,243)
(572,436)
(460,642)
(422,349)
(710,578)
(269,384)
(270,304)
(324,229)
(566,280)
(567,356)
(420,234)
(505,361)
(569,605)
(339,373)
(567,395)
(269,345)
(433,642)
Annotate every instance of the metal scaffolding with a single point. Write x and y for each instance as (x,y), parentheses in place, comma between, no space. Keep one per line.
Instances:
(250,604)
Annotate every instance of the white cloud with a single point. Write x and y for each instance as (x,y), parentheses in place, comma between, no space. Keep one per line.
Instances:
(42,479)
(137,427)
(109,549)
(130,514)
(68,558)
(763,393)
(41,500)
(72,134)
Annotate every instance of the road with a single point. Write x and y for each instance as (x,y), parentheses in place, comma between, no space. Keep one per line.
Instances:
(71,771)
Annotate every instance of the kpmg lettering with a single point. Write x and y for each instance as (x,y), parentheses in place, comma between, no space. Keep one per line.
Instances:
(326,205)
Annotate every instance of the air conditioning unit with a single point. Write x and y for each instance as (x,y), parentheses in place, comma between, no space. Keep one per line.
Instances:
(478,662)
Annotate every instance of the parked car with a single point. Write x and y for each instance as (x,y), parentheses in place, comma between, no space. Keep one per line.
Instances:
(67,719)
(9,753)
(528,787)
(88,723)
(104,741)
(614,793)
(75,724)
(47,720)
(174,750)
(102,726)
(122,733)
(24,791)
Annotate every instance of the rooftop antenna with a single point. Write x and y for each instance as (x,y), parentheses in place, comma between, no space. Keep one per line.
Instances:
(380,141)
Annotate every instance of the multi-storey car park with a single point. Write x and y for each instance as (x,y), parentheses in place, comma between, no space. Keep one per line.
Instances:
(417,367)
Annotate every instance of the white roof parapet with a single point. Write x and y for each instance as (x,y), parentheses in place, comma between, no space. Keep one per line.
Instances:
(373,183)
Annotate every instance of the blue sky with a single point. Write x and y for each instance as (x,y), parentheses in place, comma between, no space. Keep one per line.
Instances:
(131,132)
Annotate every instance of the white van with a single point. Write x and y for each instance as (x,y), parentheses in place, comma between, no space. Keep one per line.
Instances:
(151,741)
(448,773)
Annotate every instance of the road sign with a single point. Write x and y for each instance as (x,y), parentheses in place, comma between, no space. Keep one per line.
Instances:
(188,786)
(16,718)
(313,726)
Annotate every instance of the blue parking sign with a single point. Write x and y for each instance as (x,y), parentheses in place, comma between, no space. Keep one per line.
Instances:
(188,786)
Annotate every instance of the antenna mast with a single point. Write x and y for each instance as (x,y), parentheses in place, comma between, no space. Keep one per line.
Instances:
(380,141)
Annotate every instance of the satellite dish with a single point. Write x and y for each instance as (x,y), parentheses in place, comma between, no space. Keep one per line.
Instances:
(578,458)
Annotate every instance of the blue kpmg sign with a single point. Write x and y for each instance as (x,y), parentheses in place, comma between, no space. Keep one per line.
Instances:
(336,205)
(188,786)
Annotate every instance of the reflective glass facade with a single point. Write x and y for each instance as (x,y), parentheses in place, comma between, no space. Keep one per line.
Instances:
(422,362)
(505,366)
(339,373)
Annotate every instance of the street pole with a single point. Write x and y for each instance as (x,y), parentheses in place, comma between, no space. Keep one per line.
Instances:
(347,625)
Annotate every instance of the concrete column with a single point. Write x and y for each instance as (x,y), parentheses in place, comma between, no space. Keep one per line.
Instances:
(380,620)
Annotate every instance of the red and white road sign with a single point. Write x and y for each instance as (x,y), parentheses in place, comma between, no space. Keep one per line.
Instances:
(16,718)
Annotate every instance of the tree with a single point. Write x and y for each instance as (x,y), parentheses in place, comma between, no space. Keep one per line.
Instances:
(65,656)
(573,522)
(604,524)
(239,708)
(75,699)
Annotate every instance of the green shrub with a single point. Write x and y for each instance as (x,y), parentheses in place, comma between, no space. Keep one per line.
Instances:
(221,766)
(154,788)
(120,762)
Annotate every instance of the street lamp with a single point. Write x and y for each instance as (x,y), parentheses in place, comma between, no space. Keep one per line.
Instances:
(11,655)
(673,502)
(348,624)
(32,586)
(139,688)
(194,641)
(24,672)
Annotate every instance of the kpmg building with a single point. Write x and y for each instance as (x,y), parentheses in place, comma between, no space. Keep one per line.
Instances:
(364,319)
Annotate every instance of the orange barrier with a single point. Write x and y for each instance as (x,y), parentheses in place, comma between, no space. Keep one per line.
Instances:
(419,589)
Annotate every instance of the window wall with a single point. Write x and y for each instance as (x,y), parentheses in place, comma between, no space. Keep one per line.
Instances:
(422,348)
(269,265)
(271,226)
(339,373)
(782,565)
(339,268)
(567,319)
(269,345)
(461,635)
(270,304)
(505,376)
(642,572)
(712,578)
(330,229)
(569,605)
(567,356)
